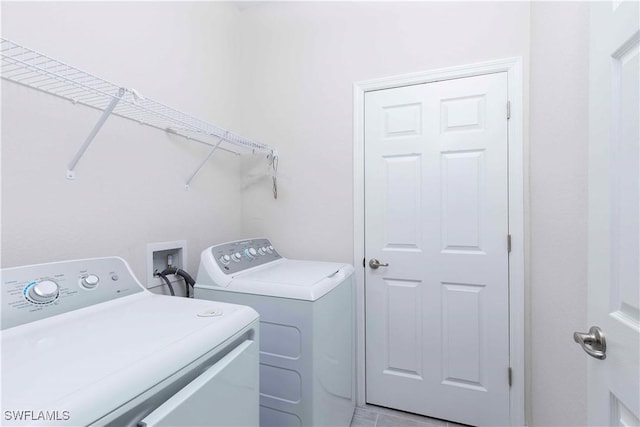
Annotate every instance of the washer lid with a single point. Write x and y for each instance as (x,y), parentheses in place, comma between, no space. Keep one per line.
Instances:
(92,360)
(304,280)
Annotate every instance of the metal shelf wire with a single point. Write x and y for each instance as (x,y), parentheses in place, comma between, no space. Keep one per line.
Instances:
(36,70)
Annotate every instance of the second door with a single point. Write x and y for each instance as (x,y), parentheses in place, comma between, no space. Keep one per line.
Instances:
(436,211)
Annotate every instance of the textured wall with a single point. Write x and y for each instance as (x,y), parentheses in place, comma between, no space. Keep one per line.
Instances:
(129,189)
(558,161)
(282,72)
(299,65)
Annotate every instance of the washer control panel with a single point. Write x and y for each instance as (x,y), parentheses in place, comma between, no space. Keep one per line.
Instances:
(35,292)
(233,257)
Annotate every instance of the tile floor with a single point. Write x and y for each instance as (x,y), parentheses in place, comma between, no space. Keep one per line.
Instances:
(377,416)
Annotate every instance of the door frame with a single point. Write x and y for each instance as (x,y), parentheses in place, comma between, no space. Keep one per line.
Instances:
(516,177)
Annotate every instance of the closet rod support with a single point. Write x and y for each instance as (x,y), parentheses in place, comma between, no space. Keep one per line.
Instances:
(71,174)
(204,161)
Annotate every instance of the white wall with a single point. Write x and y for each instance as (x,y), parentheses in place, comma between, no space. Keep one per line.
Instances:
(559,137)
(297,91)
(129,189)
(299,63)
(282,72)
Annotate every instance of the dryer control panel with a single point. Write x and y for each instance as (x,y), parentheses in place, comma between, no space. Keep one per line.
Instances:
(35,292)
(233,257)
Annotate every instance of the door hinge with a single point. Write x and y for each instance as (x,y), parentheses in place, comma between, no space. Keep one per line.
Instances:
(508,110)
(510,377)
(508,243)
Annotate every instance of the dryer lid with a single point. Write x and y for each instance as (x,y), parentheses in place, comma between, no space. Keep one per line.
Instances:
(295,279)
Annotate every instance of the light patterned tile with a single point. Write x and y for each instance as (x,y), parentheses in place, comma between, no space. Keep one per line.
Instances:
(358,421)
(385,420)
(433,422)
(366,413)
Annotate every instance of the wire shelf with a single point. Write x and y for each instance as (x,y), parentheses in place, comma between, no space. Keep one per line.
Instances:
(33,69)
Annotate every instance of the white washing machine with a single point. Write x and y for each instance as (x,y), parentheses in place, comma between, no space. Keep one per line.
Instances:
(307,328)
(84,344)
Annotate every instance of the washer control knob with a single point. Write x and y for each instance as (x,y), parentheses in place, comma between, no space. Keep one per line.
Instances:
(90,281)
(225,259)
(44,291)
(236,257)
(262,250)
(250,253)
(270,249)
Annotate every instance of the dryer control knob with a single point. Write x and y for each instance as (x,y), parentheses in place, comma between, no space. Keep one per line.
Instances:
(44,292)
(262,250)
(90,281)
(225,259)
(236,257)
(270,249)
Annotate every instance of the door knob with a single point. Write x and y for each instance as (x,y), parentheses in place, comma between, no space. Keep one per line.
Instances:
(593,343)
(374,263)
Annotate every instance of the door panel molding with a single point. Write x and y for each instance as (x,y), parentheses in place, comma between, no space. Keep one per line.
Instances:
(513,68)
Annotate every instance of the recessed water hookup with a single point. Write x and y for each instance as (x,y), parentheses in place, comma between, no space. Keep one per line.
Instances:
(163,255)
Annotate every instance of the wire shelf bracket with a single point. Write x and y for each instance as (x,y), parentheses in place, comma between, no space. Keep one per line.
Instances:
(71,173)
(204,161)
(30,68)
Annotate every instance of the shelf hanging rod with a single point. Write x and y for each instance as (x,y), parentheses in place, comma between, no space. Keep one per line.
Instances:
(71,174)
(175,132)
(225,136)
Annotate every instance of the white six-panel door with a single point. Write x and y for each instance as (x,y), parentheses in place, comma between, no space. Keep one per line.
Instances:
(436,211)
(614,212)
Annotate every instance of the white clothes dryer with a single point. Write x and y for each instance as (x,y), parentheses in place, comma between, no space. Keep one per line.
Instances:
(307,328)
(84,344)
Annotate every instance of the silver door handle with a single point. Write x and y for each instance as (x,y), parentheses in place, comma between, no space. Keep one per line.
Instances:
(374,263)
(593,343)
